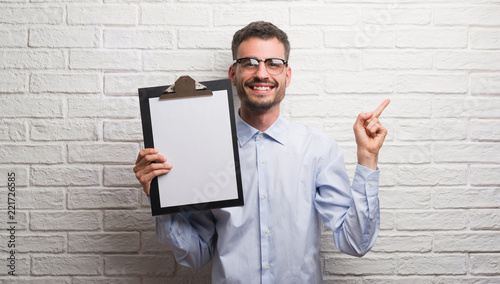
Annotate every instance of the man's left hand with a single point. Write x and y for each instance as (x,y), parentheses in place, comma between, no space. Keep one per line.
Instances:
(370,135)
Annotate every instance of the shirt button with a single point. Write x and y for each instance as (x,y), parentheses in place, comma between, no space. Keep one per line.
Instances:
(263,161)
(268,267)
(267,232)
(371,217)
(265,195)
(370,182)
(261,135)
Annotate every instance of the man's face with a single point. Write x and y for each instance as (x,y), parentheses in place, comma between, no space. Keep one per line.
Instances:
(261,91)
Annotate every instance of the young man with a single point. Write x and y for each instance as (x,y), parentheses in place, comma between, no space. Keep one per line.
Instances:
(291,175)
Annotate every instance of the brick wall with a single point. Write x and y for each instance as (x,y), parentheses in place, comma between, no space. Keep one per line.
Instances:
(70,128)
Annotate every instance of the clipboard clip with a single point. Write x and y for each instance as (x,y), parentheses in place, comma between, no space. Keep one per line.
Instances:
(185,87)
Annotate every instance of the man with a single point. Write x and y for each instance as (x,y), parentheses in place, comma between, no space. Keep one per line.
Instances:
(291,175)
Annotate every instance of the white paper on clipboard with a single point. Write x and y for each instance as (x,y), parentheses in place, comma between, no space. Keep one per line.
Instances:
(198,143)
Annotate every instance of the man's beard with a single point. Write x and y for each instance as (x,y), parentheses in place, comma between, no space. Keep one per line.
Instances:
(260,107)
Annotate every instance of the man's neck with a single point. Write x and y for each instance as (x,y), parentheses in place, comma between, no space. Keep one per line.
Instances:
(260,120)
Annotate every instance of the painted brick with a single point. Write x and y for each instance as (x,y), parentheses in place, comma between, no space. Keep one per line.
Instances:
(467,15)
(432,38)
(107,279)
(65,220)
(20,172)
(120,176)
(41,198)
(362,82)
(346,60)
(396,60)
(465,197)
(324,107)
(66,83)
(204,39)
(431,220)
(432,83)
(42,244)
(324,15)
(241,14)
(485,219)
(13,131)
(466,107)
(14,37)
(175,15)
(65,176)
(387,220)
(484,175)
(485,84)
(403,243)
(121,220)
(151,244)
(59,130)
(22,268)
(431,129)
(138,38)
(103,15)
(432,265)
(34,280)
(32,15)
(481,38)
(359,38)
(401,198)
(125,83)
(105,59)
(139,265)
(13,82)
(109,108)
(396,15)
(407,154)
(67,265)
(467,242)
(469,152)
(93,153)
(102,198)
(177,61)
(467,60)
(432,175)
(124,130)
(303,38)
(484,264)
(359,266)
(103,242)
(28,59)
(55,37)
(16,107)
(485,129)
(33,154)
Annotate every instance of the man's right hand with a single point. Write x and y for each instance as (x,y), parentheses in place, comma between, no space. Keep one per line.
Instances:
(145,170)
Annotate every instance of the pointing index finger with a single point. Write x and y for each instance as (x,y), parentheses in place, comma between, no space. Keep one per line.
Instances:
(381,108)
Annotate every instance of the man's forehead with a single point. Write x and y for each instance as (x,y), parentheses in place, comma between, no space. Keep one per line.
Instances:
(258,46)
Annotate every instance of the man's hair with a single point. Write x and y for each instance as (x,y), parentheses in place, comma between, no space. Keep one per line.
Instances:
(262,30)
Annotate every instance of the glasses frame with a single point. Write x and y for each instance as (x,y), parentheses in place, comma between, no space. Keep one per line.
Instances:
(285,64)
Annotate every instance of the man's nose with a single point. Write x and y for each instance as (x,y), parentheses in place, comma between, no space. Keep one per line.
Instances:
(261,71)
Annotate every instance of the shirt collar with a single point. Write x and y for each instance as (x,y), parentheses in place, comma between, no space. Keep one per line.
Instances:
(277,131)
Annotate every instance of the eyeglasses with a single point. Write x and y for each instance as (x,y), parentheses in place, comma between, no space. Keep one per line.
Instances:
(250,65)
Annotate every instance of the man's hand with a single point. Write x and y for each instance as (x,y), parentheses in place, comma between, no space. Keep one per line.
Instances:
(370,135)
(145,170)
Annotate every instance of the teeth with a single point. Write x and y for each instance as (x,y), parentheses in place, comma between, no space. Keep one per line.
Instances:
(262,88)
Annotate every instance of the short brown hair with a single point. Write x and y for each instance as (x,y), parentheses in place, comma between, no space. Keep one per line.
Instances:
(263,30)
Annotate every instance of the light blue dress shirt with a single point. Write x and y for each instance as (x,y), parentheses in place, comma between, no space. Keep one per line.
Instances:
(292,176)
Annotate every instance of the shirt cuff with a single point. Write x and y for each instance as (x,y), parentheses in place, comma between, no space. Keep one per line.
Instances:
(366,181)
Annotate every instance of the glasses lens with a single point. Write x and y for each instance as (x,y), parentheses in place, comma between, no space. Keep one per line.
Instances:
(274,66)
(249,65)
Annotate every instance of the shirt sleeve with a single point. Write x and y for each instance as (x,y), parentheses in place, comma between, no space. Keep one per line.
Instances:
(191,236)
(351,212)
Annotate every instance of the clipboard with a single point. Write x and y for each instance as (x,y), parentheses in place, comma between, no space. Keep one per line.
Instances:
(194,127)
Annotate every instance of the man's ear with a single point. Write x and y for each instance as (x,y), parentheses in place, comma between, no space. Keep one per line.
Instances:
(231,73)
(288,75)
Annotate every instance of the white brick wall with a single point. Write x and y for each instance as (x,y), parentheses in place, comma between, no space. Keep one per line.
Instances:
(70,127)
